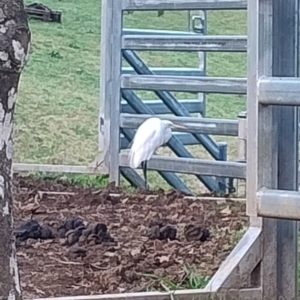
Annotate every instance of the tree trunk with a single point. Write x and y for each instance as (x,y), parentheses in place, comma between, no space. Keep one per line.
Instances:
(14,49)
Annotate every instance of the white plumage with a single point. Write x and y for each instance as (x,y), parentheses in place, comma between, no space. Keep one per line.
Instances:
(151,135)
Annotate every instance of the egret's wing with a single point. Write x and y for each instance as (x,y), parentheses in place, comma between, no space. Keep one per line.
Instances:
(147,139)
(140,149)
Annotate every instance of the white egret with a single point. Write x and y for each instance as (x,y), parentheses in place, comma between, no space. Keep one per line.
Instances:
(152,134)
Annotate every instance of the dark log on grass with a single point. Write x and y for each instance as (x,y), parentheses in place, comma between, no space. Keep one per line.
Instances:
(42,12)
(14,49)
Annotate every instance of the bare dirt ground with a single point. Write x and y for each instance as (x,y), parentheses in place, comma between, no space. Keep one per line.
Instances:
(87,241)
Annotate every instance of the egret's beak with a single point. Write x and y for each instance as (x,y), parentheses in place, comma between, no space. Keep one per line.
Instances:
(175,126)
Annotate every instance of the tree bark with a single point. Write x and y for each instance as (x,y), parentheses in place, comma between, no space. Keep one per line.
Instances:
(14,50)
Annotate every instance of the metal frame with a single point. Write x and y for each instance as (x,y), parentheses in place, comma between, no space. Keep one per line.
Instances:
(193,125)
(184,5)
(185,43)
(272,168)
(221,85)
(169,71)
(192,166)
(146,79)
(158,107)
(245,294)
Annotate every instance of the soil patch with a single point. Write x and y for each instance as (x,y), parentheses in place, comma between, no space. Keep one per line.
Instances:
(75,241)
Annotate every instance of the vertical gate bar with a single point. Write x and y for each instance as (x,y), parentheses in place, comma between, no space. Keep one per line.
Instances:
(202,61)
(242,152)
(285,63)
(110,89)
(262,146)
(259,63)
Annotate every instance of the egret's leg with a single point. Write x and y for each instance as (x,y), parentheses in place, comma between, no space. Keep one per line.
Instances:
(144,166)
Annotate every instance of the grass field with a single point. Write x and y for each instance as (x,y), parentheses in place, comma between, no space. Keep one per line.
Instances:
(56,118)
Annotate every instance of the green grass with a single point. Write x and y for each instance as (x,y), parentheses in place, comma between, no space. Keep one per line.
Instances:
(85,181)
(57,110)
(191,280)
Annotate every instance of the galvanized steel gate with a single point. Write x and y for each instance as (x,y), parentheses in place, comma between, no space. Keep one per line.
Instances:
(117,83)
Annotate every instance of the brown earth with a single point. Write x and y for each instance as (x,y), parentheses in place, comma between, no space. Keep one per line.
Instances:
(138,234)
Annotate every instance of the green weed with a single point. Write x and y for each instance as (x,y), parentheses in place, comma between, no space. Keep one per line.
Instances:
(190,280)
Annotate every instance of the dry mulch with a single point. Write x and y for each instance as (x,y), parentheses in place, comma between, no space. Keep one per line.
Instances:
(87,241)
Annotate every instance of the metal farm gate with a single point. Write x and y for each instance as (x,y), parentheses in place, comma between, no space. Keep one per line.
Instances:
(117,83)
